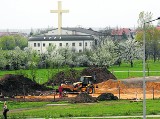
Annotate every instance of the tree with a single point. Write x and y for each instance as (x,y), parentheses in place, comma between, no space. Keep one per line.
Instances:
(7,43)
(144,17)
(12,41)
(17,57)
(131,49)
(152,35)
(105,55)
(32,58)
(21,41)
(154,44)
(3,61)
(66,53)
(82,60)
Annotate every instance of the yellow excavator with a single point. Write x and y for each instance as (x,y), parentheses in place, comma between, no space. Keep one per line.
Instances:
(85,84)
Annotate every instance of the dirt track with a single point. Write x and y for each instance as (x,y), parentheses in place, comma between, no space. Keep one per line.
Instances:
(123,89)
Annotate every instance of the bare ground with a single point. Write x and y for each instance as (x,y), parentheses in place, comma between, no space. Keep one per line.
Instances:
(124,89)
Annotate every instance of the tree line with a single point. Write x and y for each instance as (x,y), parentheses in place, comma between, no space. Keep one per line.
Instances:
(15,54)
(107,54)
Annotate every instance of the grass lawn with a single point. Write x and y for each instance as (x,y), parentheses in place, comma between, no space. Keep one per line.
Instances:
(152,69)
(104,108)
(42,75)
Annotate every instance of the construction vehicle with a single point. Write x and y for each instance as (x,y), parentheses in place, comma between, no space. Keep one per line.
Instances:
(85,84)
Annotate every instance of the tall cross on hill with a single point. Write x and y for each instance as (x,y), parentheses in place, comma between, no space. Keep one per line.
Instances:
(59,11)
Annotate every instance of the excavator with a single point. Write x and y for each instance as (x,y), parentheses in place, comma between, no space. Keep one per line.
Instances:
(85,84)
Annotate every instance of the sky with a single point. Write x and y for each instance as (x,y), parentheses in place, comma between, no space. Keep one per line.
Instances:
(27,14)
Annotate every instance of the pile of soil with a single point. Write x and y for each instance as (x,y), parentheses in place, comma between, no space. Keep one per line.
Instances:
(13,85)
(100,75)
(110,86)
(130,85)
(138,82)
(83,98)
(70,75)
(106,96)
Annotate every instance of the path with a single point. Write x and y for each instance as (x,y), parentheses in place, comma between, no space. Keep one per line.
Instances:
(105,117)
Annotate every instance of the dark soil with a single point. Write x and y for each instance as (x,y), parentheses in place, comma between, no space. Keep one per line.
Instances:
(100,74)
(83,98)
(13,85)
(106,96)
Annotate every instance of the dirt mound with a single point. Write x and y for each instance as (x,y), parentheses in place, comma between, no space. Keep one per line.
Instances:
(106,96)
(100,74)
(131,85)
(151,85)
(138,81)
(83,98)
(70,75)
(12,85)
(109,86)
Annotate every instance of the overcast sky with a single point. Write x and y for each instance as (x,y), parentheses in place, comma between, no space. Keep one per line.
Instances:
(26,14)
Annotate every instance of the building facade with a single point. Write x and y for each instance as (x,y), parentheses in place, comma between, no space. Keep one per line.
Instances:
(122,34)
(77,43)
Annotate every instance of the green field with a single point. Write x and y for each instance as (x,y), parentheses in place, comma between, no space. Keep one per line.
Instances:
(22,110)
(42,75)
(104,108)
(152,69)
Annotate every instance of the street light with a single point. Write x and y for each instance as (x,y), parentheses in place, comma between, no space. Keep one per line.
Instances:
(144,68)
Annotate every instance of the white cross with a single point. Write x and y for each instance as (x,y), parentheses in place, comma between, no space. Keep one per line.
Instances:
(59,11)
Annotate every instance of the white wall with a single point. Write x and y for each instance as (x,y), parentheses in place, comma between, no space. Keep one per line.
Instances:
(43,49)
(65,32)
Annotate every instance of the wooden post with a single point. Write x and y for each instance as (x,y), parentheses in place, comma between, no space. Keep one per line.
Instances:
(24,91)
(153,93)
(54,95)
(119,91)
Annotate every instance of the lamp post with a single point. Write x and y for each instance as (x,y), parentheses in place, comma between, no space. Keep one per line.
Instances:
(144,68)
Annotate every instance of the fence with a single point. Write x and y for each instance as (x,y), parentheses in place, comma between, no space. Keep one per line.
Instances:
(130,73)
(132,93)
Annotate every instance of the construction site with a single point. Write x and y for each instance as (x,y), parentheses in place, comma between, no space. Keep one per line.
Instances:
(105,84)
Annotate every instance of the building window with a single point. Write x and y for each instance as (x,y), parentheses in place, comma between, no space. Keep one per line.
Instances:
(80,50)
(60,44)
(66,44)
(85,43)
(50,44)
(90,43)
(34,44)
(73,44)
(80,44)
(38,44)
(44,44)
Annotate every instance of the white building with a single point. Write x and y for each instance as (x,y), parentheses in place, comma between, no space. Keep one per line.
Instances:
(73,31)
(77,43)
(78,39)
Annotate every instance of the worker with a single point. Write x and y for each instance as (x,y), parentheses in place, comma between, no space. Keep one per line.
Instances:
(60,89)
(5,110)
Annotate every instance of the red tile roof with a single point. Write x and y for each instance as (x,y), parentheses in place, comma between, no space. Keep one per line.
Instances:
(120,31)
(8,33)
(158,27)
